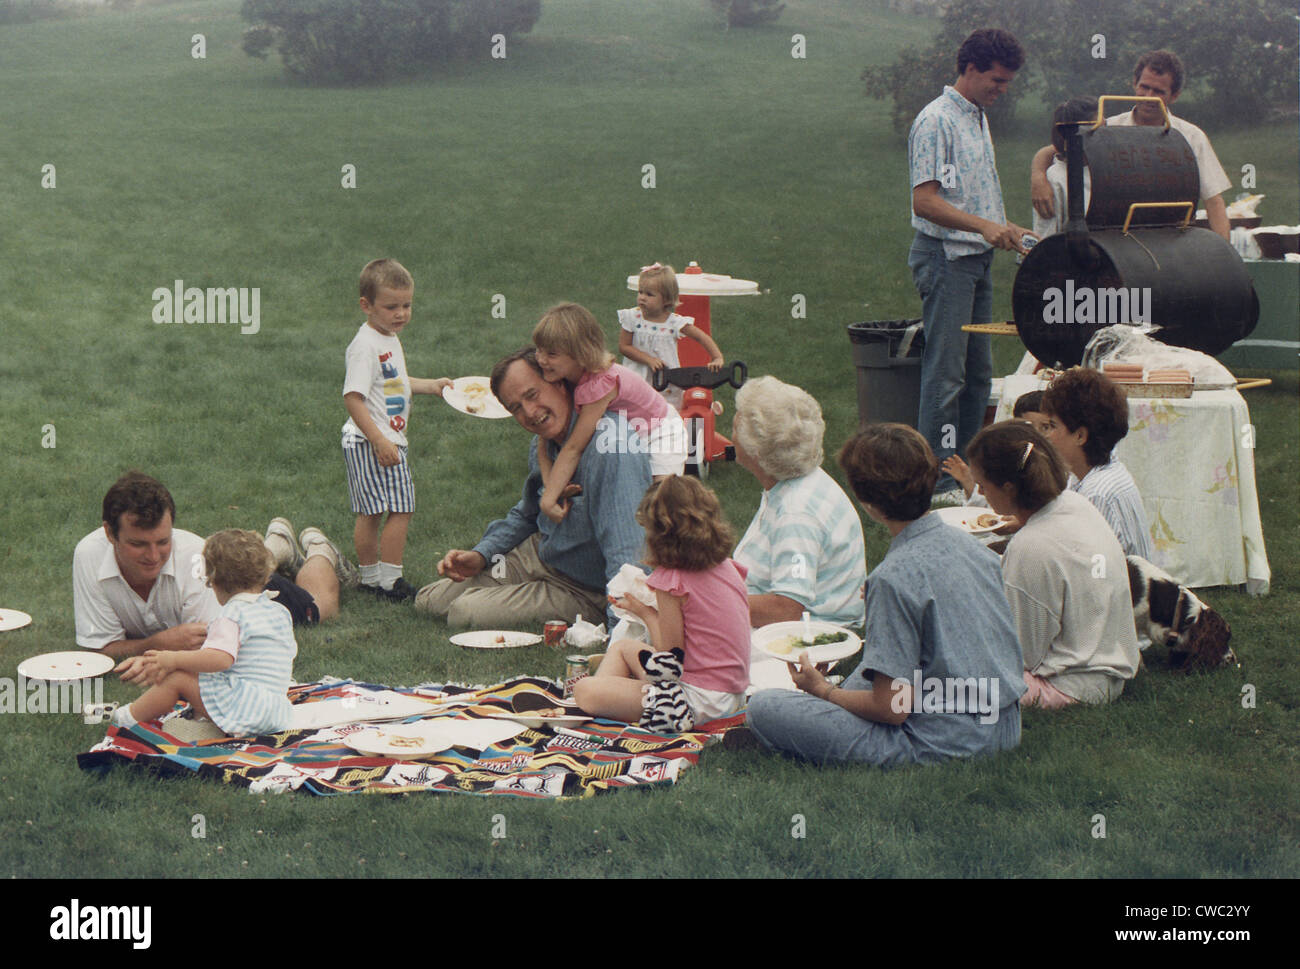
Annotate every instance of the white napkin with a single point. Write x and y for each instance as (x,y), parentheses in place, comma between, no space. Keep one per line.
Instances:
(583,635)
(630,581)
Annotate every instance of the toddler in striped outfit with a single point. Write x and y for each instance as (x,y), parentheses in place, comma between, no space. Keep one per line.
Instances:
(239,678)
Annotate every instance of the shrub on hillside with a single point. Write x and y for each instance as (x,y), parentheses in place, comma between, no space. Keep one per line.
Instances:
(747,13)
(358,41)
(27,11)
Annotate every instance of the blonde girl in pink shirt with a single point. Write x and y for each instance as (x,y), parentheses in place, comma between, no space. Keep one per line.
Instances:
(702,608)
(571,346)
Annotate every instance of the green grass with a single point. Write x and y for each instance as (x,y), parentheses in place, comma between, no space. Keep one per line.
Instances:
(522,177)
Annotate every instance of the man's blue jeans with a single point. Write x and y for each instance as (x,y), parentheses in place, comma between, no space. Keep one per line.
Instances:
(957,368)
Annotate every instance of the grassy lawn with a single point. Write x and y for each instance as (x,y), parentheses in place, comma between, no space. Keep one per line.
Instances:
(523,177)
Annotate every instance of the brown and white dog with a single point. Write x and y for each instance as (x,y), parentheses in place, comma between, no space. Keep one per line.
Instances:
(1172,615)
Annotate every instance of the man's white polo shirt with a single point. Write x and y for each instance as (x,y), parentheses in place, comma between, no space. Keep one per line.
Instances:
(108,610)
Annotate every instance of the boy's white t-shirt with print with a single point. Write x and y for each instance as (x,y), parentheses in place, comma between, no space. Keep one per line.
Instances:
(376,369)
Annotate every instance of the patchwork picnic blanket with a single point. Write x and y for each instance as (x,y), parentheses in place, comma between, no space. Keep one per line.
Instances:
(576,761)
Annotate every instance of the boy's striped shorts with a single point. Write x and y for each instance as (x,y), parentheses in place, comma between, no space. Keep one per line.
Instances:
(372,489)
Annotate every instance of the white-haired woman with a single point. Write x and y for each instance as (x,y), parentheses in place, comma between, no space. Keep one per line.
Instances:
(804,548)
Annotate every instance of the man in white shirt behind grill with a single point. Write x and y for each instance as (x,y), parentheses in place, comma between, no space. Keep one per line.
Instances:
(1158,74)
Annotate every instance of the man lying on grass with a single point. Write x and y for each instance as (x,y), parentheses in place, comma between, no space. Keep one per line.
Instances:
(941,669)
(138,584)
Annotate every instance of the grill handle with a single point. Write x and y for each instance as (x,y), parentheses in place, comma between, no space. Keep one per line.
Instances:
(1187,218)
(1101,107)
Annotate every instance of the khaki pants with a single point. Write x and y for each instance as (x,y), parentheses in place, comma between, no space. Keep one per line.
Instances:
(526,592)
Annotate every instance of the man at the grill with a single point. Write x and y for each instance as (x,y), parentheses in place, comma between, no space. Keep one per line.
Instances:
(1158,74)
(959,220)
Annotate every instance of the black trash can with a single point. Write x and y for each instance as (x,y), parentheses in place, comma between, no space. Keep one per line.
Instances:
(887,354)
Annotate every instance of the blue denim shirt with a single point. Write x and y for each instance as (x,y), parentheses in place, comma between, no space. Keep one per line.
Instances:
(600,532)
(936,611)
(950,144)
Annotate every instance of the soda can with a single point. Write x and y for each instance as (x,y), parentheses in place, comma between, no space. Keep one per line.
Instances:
(575,669)
(553,632)
(97,712)
(1028,242)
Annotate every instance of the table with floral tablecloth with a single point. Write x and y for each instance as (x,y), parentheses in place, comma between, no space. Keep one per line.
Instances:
(1194,462)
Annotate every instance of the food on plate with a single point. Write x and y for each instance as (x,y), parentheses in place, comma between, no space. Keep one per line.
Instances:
(786,645)
(477,396)
(988,521)
(549,712)
(499,639)
(397,741)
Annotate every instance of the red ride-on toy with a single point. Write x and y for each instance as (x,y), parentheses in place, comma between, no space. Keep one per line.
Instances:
(699,410)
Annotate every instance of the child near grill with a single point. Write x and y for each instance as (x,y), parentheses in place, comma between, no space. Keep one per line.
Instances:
(1075,110)
(649,331)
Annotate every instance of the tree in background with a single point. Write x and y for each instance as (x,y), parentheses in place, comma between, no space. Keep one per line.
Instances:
(359,41)
(27,11)
(917,76)
(1240,55)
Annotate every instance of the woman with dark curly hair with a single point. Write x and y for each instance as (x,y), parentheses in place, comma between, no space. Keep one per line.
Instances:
(1087,416)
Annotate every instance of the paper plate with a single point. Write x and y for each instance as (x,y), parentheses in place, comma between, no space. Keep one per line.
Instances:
(495,639)
(402,740)
(765,636)
(13,619)
(407,741)
(458,396)
(72,665)
(964,516)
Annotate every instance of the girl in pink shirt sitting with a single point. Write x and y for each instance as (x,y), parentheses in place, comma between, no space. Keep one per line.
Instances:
(571,346)
(702,608)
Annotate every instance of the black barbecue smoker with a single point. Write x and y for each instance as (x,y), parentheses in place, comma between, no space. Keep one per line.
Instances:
(1133,258)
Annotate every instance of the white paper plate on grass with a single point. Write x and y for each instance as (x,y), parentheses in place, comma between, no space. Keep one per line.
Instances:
(13,619)
(70,665)
(494,639)
(460,396)
(771,639)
